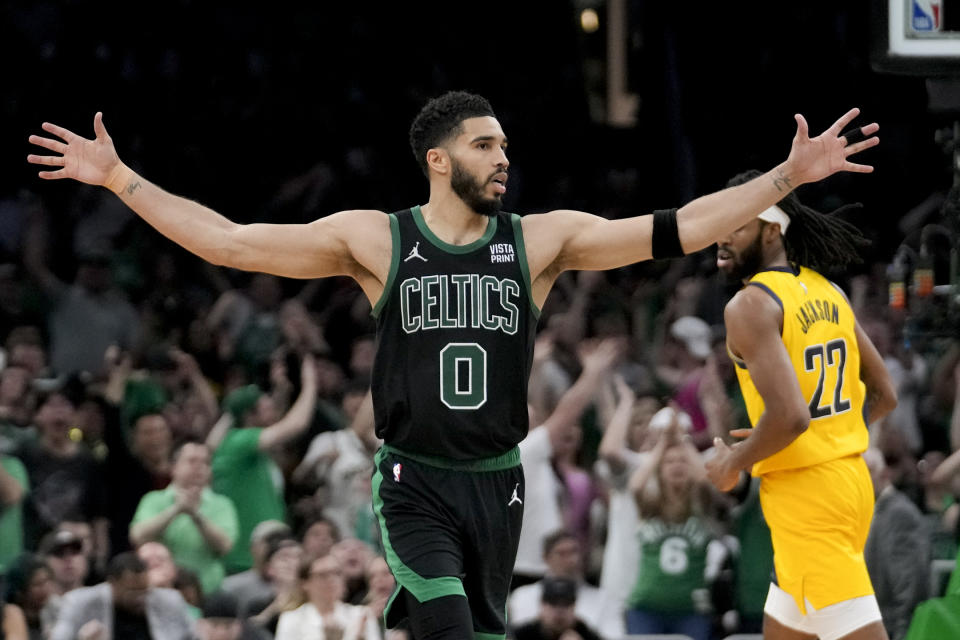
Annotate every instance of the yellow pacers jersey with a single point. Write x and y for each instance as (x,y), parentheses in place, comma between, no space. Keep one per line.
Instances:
(819,334)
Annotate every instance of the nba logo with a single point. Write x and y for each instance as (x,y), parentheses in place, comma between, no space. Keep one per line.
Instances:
(396,472)
(926,15)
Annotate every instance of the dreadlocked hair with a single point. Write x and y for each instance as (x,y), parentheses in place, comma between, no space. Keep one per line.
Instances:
(820,241)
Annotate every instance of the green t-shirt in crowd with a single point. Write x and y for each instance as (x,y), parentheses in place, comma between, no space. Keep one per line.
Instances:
(11,517)
(673,558)
(247,476)
(185,540)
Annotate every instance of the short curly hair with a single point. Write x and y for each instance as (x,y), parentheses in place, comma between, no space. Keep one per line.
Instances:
(442,117)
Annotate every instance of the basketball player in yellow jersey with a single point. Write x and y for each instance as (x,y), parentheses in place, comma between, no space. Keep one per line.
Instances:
(812,381)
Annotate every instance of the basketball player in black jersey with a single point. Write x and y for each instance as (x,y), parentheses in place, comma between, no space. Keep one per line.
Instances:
(456,286)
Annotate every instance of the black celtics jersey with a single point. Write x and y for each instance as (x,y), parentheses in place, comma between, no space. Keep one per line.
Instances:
(455,333)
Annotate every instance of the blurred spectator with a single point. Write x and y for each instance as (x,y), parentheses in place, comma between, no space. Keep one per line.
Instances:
(338,466)
(563,556)
(622,450)
(196,524)
(63,552)
(86,316)
(161,570)
(897,551)
(125,606)
(353,556)
(380,588)
(247,323)
(544,490)
(220,620)
(319,536)
(14,485)
(908,371)
(187,583)
(26,348)
(283,560)
(16,408)
(66,482)
(13,625)
(687,372)
(242,467)
(138,458)
(253,585)
(753,562)
(324,614)
(674,501)
(557,618)
(29,585)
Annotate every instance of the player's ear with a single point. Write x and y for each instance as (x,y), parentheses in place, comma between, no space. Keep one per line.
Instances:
(438,160)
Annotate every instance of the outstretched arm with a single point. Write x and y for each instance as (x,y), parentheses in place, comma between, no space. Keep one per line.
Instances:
(352,243)
(563,240)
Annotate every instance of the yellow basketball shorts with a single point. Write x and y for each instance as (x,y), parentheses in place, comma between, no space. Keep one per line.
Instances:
(819,519)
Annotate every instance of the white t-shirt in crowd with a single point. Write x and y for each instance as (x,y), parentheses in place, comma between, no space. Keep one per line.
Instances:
(306,623)
(621,553)
(541,501)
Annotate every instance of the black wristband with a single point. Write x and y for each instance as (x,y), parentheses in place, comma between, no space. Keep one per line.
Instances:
(666,238)
(853,136)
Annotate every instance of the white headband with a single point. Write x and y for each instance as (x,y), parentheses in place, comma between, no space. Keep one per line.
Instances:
(778,215)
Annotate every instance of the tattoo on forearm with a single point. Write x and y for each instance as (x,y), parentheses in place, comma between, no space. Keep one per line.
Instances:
(133,186)
(782,182)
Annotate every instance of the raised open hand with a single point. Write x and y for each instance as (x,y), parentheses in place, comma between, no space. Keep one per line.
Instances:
(89,161)
(813,159)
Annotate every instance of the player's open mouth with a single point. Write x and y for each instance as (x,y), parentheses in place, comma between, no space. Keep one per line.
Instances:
(499,181)
(724,258)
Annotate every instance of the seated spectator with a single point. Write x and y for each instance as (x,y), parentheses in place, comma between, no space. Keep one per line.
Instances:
(220,620)
(188,584)
(556,618)
(674,501)
(254,583)
(196,524)
(161,570)
(353,556)
(324,614)
(125,606)
(65,480)
(283,559)
(63,552)
(242,468)
(897,551)
(563,556)
(380,588)
(14,484)
(29,585)
(318,537)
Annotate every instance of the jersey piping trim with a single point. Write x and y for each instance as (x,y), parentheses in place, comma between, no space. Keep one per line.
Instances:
(394,265)
(775,297)
(524,267)
(453,248)
(508,460)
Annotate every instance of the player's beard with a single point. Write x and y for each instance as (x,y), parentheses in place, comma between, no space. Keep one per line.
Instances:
(470,190)
(747,262)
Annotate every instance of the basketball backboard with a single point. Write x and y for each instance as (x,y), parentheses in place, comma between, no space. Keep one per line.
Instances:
(916,37)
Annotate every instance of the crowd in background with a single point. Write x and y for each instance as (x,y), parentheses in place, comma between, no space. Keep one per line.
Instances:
(172,428)
(186,449)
